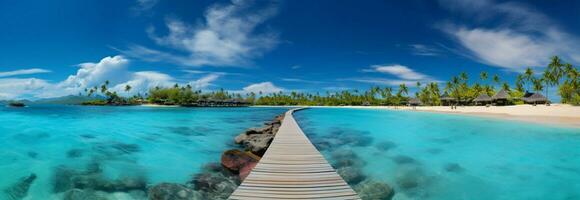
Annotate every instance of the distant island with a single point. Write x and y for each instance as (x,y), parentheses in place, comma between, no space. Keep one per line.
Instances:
(457,91)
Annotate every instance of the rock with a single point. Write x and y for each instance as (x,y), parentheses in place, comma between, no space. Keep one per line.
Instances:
(351,175)
(410,178)
(78,194)
(401,160)
(74,153)
(20,189)
(215,185)
(374,190)
(346,158)
(258,143)
(245,171)
(385,145)
(172,191)
(235,159)
(453,167)
(241,138)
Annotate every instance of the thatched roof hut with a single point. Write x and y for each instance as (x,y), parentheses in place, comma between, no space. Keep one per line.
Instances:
(501,95)
(414,102)
(482,98)
(446,99)
(536,98)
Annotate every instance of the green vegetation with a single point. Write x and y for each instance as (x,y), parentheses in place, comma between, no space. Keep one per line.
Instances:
(460,88)
(565,76)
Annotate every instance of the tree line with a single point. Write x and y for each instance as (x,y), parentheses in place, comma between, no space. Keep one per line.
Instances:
(461,87)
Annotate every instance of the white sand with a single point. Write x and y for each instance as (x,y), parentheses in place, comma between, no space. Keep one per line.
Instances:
(556,114)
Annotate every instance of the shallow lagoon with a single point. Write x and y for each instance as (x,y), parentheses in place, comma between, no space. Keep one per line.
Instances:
(159,144)
(444,157)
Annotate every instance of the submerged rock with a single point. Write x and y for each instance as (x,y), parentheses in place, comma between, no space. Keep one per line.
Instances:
(78,194)
(215,185)
(453,167)
(172,191)
(92,178)
(401,160)
(385,145)
(411,178)
(346,158)
(374,190)
(20,189)
(74,153)
(351,175)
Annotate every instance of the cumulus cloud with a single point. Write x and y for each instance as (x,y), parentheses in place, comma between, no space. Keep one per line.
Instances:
(13,88)
(228,37)
(113,69)
(23,72)
(263,87)
(525,38)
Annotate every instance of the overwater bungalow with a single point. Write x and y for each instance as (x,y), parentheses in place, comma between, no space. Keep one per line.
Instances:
(482,99)
(501,97)
(536,98)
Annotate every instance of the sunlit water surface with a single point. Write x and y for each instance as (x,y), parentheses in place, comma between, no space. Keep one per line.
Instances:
(446,157)
(161,144)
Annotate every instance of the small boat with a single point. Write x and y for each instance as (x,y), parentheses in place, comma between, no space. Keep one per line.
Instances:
(16,104)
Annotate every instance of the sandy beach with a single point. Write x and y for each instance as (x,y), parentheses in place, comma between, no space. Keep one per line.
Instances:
(555,114)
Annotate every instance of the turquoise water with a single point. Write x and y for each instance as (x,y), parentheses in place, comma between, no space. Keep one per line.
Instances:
(447,157)
(160,144)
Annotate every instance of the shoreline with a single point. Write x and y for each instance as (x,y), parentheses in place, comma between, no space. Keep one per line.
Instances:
(555,114)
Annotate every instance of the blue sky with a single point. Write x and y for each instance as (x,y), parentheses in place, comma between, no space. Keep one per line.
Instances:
(56,48)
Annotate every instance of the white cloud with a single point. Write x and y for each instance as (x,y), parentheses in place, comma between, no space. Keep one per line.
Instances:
(525,38)
(12,88)
(300,80)
(264,87)
(141,82)
(382,81)
(205,81)
(114,69)
(23,72)
(226,38)
(399,71)
(143,6)
(424,50)
(296,66)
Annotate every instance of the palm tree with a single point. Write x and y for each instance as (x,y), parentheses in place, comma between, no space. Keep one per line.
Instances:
(529,76)
(496,79)
(403,89)
(127,88)
(537,84)
(483,76)
(464,77)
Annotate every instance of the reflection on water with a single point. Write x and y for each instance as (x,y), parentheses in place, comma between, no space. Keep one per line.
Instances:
(445,157)
(74,152)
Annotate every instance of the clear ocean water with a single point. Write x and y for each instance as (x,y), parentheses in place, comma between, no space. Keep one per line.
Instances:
(447,157)
(160,144)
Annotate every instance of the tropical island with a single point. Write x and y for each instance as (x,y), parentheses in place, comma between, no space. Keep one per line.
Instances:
(459,90)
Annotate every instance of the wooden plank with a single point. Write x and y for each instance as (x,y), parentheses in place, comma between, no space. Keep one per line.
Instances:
(292,168)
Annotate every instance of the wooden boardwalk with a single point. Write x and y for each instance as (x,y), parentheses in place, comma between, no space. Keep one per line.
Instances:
(292,168)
